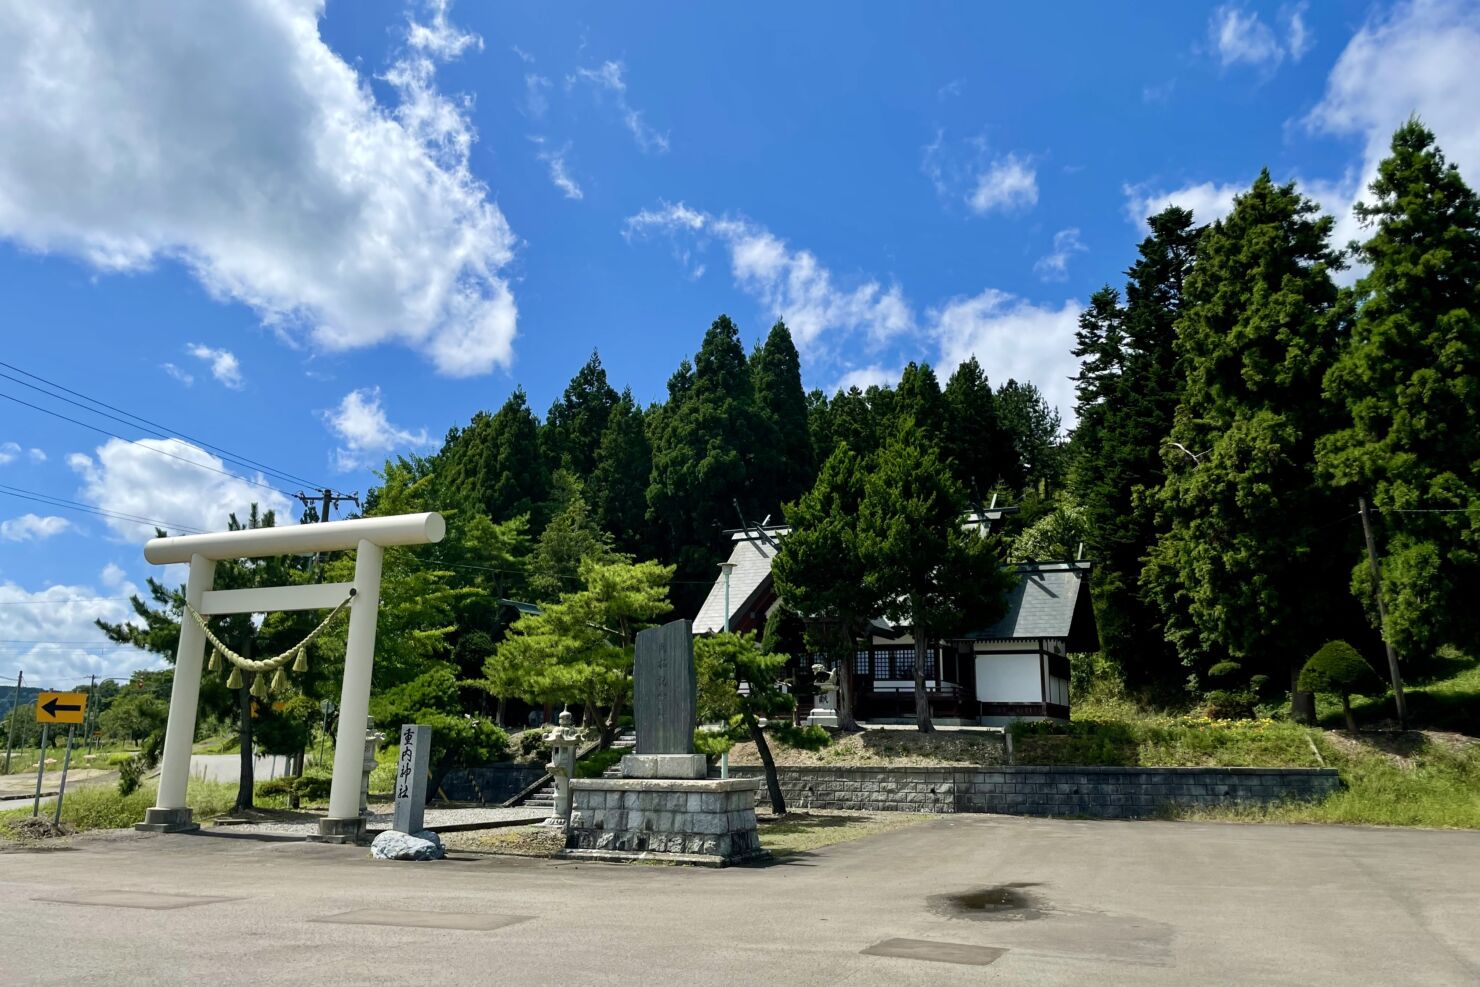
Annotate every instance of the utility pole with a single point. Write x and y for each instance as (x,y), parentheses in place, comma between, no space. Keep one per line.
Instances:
(326,499)
(92,711)
(1392,655)
(15,706)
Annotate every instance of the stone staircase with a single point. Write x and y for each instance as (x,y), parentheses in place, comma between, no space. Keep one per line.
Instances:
(544,797)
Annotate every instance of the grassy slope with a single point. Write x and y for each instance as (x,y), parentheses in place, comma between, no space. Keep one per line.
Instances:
(101,807)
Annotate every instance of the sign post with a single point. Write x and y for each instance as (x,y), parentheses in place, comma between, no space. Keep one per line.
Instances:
(62,789)
(40,767)
(411,778)
(57,707)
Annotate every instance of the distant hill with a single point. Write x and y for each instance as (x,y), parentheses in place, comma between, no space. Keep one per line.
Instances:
(8,699)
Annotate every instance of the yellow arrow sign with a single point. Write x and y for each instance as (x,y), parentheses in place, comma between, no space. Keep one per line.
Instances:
(60,707)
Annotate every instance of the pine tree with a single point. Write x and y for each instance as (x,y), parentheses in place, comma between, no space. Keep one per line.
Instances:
(786,466)
(571,537)
(1242,576)
(575,424)
(619,480)
(973,438)
(1409,382)
(928,572)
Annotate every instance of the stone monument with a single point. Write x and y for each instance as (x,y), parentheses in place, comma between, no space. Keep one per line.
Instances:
(411,778)
(664,807)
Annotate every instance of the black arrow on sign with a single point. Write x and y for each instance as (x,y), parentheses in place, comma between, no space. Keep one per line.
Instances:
(52,707)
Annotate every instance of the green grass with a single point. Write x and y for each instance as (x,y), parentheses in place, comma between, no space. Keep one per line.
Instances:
(593,765)
(1449,699)
(1127,737)
(101,807)
(23,760)
(1439,787)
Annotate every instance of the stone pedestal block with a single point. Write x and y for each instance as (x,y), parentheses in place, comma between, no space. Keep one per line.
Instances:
(665,766)
(700,821)
(350,830)
(157,820)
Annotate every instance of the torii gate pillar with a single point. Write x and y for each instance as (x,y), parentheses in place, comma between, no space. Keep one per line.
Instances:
(369,537)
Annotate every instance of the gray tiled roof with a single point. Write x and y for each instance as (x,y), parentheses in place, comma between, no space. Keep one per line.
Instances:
(1041,605)
(752,567)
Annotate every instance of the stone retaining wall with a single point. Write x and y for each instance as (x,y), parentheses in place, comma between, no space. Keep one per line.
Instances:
(1101,792)
(491,784)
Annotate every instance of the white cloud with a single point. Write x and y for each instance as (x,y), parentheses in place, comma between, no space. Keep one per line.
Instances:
(224,365)
(1419,58)
(439,37)
(362,425)
(113,575)
(865,377)
(233,140)
(536,98)
(63,615)
(1240,37)
(1207,200)
(36,455)
(560,175)
(609,78)
(1009,183)
(1012,338)
(791,284)
(33,527)
(1054,266)
(135,479)
(183,376)
(524,56)
(8,452)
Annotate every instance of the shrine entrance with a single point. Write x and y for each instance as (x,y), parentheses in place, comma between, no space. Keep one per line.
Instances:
(368,537)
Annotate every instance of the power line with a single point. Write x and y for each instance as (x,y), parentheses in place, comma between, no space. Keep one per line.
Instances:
(240,460)
(66,504)
(140,444)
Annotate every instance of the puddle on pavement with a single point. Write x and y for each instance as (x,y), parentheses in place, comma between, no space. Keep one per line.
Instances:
(1001,902)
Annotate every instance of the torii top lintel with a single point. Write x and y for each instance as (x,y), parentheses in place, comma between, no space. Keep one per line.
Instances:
(295,539)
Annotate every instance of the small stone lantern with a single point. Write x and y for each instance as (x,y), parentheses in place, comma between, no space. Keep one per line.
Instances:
(373,738)
(563,741)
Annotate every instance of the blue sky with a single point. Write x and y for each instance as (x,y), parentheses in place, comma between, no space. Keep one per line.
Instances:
(317,236)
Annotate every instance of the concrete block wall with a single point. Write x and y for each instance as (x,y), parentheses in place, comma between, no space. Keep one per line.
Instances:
(1100,792)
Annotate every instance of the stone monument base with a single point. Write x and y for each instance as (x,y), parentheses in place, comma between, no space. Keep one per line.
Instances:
(709,822)
(822,716)
(157,820)
(665,766)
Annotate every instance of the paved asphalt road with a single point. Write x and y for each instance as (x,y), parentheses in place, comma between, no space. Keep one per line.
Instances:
(1082,903)
(228,767)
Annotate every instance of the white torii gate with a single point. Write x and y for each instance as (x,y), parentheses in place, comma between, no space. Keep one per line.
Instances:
(369,537)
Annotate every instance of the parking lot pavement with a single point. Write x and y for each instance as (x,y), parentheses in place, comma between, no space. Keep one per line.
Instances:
(966,899)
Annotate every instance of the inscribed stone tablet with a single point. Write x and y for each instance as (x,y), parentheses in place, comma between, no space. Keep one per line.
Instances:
(665,689)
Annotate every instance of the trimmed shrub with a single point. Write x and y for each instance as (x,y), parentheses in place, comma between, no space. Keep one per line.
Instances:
(1337,669)
(808,738)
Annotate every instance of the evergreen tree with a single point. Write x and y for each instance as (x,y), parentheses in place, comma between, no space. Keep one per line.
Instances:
(725,662)
(619,480)
(576,422)
(495,464)
(1031,429)
(571,537)
(1241,574)
(704,450)
(819,571)
(929,572)
(973,438)
(786,464)
(918,398)
(1409,382)
(1128,389)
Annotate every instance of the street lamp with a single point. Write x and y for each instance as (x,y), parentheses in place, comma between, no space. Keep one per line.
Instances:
(725,569)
